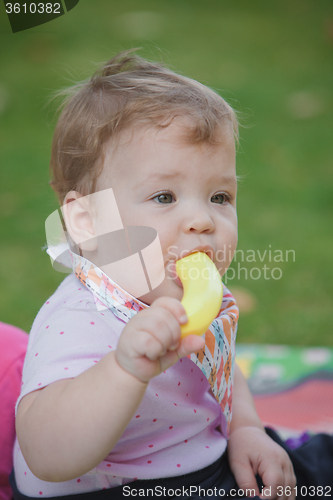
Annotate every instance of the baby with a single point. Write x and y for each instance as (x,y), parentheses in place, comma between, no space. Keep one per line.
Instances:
(112,396)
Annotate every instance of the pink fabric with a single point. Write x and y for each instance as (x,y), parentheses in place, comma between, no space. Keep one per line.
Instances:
(13,345)
(175,429)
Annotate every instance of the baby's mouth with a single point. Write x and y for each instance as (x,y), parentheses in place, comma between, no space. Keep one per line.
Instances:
(172,270)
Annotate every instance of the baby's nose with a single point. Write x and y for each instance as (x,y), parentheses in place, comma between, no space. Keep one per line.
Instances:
(199,220)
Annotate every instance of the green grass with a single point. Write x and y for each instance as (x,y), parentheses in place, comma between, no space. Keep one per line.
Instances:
(270,60)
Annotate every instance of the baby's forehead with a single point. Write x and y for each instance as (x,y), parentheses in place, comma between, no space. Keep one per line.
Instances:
(175,133)
(175,128)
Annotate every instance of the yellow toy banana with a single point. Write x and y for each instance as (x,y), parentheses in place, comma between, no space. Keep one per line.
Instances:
(203,292)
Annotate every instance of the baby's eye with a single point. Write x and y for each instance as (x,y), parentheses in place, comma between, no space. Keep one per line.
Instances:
(164,198)
(220,198)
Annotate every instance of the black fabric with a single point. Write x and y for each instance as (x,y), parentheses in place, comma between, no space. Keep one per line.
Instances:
(313,461)
(313,466)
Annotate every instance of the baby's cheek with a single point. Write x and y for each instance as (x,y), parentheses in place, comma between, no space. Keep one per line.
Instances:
(226,253)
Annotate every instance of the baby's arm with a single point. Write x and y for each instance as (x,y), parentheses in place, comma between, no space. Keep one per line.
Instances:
(70,426)
(251,451)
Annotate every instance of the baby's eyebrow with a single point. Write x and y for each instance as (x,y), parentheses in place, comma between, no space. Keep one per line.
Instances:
(158,177)
(229,179)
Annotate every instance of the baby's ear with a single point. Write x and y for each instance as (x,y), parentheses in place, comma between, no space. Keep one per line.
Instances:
(77,213)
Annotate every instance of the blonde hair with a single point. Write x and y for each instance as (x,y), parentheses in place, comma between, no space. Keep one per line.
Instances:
(124,92)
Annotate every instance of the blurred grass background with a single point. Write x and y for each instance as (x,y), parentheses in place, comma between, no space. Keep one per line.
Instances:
(272,61)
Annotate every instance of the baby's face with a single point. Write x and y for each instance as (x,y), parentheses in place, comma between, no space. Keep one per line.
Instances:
(186,192)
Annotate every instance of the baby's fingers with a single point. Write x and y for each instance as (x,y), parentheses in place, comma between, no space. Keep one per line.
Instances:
(281,481)
(245,477)
(156,324)
(289,483)
(189,344)
(273,480)
(172,305)
(150,346)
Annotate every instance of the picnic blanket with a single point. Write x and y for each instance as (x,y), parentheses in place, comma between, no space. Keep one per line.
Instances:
(292,386)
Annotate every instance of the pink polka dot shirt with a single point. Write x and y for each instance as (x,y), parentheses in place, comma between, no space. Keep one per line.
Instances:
(176,427)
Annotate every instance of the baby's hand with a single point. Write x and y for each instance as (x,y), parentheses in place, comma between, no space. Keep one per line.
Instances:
(150,342)
(251,451)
